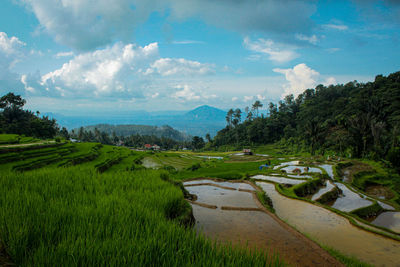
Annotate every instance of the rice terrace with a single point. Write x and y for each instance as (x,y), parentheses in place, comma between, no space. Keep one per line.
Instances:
(199,133)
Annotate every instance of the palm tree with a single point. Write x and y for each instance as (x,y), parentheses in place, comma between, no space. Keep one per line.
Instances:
(229,117)
(256,106)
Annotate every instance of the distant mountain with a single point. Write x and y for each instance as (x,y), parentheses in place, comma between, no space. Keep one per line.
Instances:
(206,113)
(199,121)
(129,129)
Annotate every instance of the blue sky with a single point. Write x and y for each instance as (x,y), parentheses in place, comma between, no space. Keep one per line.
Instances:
(82,56)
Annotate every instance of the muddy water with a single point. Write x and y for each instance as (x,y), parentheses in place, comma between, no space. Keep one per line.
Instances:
(390,220)
(277,179)
(252,228)
(334,231)
(299,176)
(329,186)
(349,200)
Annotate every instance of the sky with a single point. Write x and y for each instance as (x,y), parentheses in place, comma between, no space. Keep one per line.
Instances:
(83,56)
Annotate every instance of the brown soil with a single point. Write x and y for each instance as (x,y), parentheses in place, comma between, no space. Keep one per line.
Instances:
(379,191)
(349,172)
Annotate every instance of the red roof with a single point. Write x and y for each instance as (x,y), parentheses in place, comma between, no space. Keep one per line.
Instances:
(147,146)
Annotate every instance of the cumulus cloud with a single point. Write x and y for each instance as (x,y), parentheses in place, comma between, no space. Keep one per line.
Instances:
(11,51)
(301,77)
(187,93)
(84,24)
(102,72)
(278,53)
(181,66)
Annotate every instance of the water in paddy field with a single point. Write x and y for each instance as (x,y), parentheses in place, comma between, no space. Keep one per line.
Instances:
(295,162)
(210,157)
(254,228)
(328,168)
(349,200)
(290,168)
(329,186)
(388,219)
(334,231)
(277,179)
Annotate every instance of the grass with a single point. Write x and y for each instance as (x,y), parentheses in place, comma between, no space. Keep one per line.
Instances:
(76,215)
(7,139)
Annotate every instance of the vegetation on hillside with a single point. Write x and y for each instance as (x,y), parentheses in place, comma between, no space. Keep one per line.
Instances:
(355,119)
(15,120)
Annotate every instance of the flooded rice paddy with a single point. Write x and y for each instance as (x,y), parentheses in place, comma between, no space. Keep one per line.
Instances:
(328,187)
(328,168)
(291,168)
(246,225)
(389,219)
(333,230)
(349,200)
(210,157)
(277,179)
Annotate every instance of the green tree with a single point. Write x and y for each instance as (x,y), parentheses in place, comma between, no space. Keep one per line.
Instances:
(256,106)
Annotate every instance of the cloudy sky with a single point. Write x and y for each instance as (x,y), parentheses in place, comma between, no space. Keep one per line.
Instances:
(82,56)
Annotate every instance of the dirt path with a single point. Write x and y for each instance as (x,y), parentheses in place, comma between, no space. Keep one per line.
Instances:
(248,223)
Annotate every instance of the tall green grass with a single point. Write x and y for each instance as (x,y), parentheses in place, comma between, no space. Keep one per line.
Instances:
(77,216)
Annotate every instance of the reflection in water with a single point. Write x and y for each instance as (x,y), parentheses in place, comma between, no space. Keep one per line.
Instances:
(251,228)
(389,219)
(239,186)
(277,179)
(334,231)
(222,197)
(210,157)
(328,169)
(349,200)
(301,168)
(294,162)
(329,186)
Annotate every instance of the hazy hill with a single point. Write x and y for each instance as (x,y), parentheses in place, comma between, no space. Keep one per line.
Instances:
(129,129)
(199,121)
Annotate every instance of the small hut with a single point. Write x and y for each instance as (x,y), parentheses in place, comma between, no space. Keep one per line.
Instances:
(247,151)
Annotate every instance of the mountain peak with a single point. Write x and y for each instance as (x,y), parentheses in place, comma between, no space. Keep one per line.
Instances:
(207,112)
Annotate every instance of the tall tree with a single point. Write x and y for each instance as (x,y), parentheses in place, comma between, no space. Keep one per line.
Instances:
(256,106)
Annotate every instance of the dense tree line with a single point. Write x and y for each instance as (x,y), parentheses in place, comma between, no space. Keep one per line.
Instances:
(356,119)
(15,120)
(135,140)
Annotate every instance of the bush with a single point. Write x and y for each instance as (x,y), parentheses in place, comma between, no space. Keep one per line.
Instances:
(394,157)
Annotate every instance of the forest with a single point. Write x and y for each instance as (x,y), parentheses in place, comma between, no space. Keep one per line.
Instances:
(360,120)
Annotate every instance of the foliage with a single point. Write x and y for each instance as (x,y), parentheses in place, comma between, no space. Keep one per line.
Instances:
(354,119)
(15,120)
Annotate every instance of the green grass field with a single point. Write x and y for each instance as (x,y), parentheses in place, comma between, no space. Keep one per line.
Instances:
(94,205)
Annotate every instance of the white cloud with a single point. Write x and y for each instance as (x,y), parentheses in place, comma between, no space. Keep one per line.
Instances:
(10,46)
(155,95)
(313,39)
(180,66)
(187,93)
(103,72)
(235,98)
(88,24)
(300,78)
(11,52)
(64,54)
(260,97)
(339,27)
(279,53)
(247,98)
